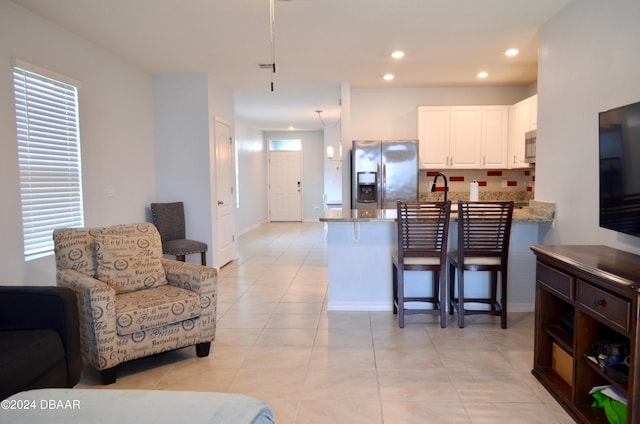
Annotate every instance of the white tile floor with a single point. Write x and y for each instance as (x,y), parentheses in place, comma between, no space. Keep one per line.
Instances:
(276,342)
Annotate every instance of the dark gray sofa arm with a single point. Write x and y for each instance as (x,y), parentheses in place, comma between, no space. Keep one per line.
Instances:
(47,307)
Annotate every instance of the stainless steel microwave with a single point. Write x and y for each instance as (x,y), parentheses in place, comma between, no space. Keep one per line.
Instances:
(530,146)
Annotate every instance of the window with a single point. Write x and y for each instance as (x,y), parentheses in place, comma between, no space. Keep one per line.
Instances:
(285,145)
(48,155)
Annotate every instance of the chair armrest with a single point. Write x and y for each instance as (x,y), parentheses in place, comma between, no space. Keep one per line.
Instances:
(202,280)
(50,307)
(196,278)
(96,307)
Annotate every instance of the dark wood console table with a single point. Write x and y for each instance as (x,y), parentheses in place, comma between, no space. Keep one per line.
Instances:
(585,295)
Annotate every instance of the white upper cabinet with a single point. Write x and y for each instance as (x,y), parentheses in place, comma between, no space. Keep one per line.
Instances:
(533,107)
(495,136)
(465,144)
(465,137)
(433,133)
(516,143)
(523,118)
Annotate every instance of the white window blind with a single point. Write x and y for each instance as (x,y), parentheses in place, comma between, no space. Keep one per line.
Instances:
(48,156)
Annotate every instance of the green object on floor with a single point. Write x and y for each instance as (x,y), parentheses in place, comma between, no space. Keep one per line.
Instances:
(615,411)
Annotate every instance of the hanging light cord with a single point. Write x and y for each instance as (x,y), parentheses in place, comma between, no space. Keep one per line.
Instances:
(272,19)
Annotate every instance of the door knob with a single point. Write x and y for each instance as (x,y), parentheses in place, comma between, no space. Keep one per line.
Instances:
(220,202)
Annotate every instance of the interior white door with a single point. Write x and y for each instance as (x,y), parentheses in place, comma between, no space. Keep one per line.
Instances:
(225,190)
(285,185)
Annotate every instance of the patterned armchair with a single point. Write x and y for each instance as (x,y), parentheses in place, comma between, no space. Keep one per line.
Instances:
(132,301)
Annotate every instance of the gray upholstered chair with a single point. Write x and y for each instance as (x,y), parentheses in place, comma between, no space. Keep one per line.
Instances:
(169,219)
(132,301)
(484,230)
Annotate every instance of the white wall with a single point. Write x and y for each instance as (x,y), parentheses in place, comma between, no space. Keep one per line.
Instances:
(252,176)
(589,62)
(313,155)
(186,107)
(333,167)
(116,130)
(391,113)
(182,138)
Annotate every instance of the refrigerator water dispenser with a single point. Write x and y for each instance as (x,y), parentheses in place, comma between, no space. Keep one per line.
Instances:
(367,187)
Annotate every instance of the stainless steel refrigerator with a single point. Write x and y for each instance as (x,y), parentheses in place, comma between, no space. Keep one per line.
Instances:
(383,172)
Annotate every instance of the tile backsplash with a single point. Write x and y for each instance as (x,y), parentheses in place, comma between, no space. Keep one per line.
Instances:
(495,184)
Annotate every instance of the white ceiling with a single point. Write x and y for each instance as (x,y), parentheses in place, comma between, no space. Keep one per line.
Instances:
(318,44)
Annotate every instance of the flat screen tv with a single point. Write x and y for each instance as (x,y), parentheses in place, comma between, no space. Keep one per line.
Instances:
(619,142)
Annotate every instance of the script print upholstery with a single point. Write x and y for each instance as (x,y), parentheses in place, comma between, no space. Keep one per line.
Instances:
(129,262)
(101,344)
(144,309)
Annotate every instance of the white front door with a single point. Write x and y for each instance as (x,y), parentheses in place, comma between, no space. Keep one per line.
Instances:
(285,183)
(226,196)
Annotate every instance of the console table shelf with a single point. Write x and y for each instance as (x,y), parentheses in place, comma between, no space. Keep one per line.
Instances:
(585,295)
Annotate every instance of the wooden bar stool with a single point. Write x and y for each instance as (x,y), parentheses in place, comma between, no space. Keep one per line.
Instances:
(483,245)
(423,230)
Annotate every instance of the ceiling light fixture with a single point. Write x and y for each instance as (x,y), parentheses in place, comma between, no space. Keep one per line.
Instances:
(330,149)
(482,74)
(388,77)
(511,52)
(397,54)
(330,152)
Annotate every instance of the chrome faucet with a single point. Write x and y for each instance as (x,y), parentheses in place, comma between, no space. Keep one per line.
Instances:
(446,187)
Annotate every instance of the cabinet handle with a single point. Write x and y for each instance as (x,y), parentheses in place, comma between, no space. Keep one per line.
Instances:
(600,302)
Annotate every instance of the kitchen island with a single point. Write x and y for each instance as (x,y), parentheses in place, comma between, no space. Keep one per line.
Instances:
(360,242)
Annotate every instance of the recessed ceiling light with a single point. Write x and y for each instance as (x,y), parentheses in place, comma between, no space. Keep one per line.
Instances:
(512,52)
(291,128)
(483,74)
(388,77)
(397,54)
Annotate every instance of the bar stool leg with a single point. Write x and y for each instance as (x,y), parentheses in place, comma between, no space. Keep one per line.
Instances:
(461,299)
(503,301)
(452,281)
(401,298)
(442,282)
(494,290)
(394,270)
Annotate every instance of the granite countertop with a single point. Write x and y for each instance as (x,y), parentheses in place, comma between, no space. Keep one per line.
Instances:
(536,212)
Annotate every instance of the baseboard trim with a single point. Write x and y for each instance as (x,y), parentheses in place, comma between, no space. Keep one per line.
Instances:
(358,306)
(251,228)
(384,306)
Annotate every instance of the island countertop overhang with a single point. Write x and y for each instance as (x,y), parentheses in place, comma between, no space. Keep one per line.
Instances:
(523,214)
